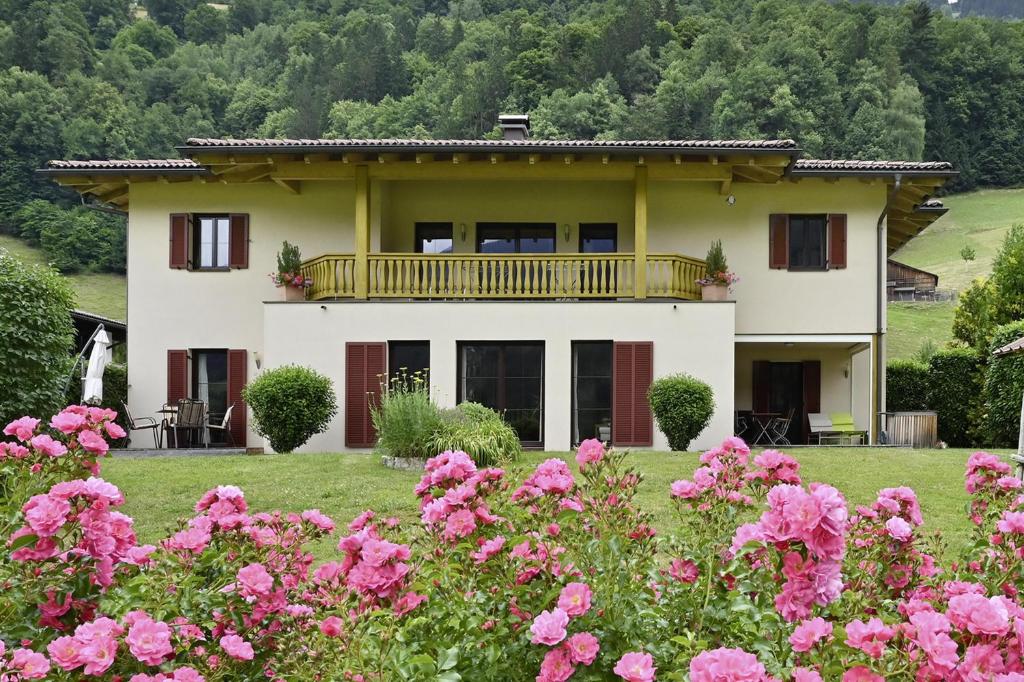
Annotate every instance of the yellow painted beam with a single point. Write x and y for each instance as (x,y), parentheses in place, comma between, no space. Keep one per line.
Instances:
(293,186)
(361,268)
(640,231)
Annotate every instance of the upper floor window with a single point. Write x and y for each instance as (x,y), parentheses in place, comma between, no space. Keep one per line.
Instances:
(599,237)
(515,237)
(807,241)
(211,239)
(434,238)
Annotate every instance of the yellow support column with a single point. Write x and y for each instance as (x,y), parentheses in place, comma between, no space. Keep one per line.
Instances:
(640,232)
(361,269)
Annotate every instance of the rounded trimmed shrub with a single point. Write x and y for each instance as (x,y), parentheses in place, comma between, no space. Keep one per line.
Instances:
(682,406)
(955,393)
(290,404)
(906,386)
(1004,384)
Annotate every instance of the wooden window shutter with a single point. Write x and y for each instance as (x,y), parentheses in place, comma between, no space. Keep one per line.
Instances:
(238,242)
(812,394)
(181,228)
(238,367)
(837,240)
(365,365)
(632,374)
(778,241)
(761,386)
(177,375)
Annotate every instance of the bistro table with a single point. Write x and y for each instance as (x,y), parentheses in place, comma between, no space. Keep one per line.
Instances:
(762,420)
(169,412)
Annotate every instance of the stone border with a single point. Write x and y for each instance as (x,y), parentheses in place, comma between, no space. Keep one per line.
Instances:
(404,463)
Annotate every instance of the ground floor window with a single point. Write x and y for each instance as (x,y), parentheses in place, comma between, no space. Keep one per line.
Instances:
(409,360)
(507,377)
(591,390)
(210,383)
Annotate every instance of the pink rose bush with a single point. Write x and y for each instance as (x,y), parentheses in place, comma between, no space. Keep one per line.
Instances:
(551,575)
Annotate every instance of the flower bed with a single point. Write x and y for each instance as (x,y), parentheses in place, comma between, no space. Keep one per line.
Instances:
(558,576)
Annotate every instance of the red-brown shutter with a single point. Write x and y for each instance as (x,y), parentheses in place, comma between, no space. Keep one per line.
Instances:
(778,240)
(238,243)
(177,375)
(632,374)
(364,370)
(238,366)
(837,240)
(812,394)
(181,224)
(761,387)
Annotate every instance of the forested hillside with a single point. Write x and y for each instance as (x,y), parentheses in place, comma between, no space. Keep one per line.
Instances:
(1006,9)
(104,78)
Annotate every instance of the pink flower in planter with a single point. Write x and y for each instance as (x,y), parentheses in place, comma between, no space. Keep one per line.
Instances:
(237,648)
(68,421)
(149,640)
(548,628)
(331,626)
(22,429)
(869,637)
(255,580)
(556,666)
(574,599)
(861,674)
(46,515)
(809,633)
(48,446)
(31,665)
(583,648)
(93,442)
(636,666)
(590,451)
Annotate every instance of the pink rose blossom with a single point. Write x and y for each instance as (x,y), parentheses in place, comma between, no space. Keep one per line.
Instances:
(67,422)
(48,446)
(583,648)
(93,443)
(22,429)
(548,628)
(898,529)
(869,637)
(636,666)
(46,515)
(809,633)
(149,641)
(237,648)
(726,665)
(114,430)
(31,665)
(556,666)
(805,675)
(861,674)
(574,599)
(589,452)
(255,580)
(331,626)
(978,615)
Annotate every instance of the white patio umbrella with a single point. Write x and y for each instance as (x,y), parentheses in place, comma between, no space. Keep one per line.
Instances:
(92,382)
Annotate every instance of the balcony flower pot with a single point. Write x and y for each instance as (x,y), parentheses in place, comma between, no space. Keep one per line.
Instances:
(293,293)
(714,292)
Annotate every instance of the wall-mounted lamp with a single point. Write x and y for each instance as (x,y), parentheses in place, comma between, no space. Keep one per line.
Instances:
(846,371)
(258,358)
(462,230)
(788,344)
(566,229)
(731,200)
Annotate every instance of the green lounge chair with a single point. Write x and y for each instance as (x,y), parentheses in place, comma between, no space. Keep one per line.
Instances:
(842,423)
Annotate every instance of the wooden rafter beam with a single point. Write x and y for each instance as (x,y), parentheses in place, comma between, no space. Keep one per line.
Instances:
(292,186)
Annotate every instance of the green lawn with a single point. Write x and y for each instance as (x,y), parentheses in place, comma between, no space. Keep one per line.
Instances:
(978,219)
(161,490)
(911,324)
(102,293)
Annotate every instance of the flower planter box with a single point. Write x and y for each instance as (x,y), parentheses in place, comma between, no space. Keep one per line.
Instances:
(294,293)
(714,292)
(405,463)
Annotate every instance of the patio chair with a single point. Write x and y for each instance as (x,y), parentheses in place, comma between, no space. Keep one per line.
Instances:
(842,423)
(740,425)
(191,418)
(778,427)
(142,424)
(224,427)
(821,427)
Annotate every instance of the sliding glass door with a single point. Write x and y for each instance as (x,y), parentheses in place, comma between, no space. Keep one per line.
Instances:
(591,390)
(507,377)
(515,237)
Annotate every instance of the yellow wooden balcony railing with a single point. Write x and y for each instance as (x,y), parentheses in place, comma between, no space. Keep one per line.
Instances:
(504,276)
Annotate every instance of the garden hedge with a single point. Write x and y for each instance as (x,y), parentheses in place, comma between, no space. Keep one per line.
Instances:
(1004,384)
(955,393)
(290,404)
(906,386)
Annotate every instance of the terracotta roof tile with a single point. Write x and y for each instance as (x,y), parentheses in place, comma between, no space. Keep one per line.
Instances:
(879,166)
(126,164)
(485,145)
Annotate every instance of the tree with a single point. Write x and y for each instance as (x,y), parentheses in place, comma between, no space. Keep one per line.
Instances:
(36,337)
(170,13)
(205,24)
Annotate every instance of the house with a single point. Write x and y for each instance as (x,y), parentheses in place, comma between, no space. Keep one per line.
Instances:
(907,283)
(549,279)
(87,323)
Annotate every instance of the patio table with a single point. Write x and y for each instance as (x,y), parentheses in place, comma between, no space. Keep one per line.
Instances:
(762,420)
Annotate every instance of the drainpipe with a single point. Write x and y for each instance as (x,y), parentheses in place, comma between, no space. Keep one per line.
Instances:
(880,251)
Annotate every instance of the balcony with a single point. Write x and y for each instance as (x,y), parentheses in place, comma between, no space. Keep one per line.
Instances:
(505,276)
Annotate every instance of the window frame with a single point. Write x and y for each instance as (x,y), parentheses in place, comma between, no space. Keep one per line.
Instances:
(501,377)
(404,343)
(574,386)
(612,228)
(426,226)
(193,389)
(197,244)
(517,228)
(805,218)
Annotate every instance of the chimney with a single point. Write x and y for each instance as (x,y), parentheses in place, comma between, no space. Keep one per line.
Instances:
(514,126)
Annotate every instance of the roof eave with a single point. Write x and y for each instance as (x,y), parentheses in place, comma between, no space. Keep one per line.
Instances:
(873,173)
(202,170)
(190,151)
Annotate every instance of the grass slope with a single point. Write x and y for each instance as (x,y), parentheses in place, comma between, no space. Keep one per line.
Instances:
(911,325)
(102,293)
(161,490)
